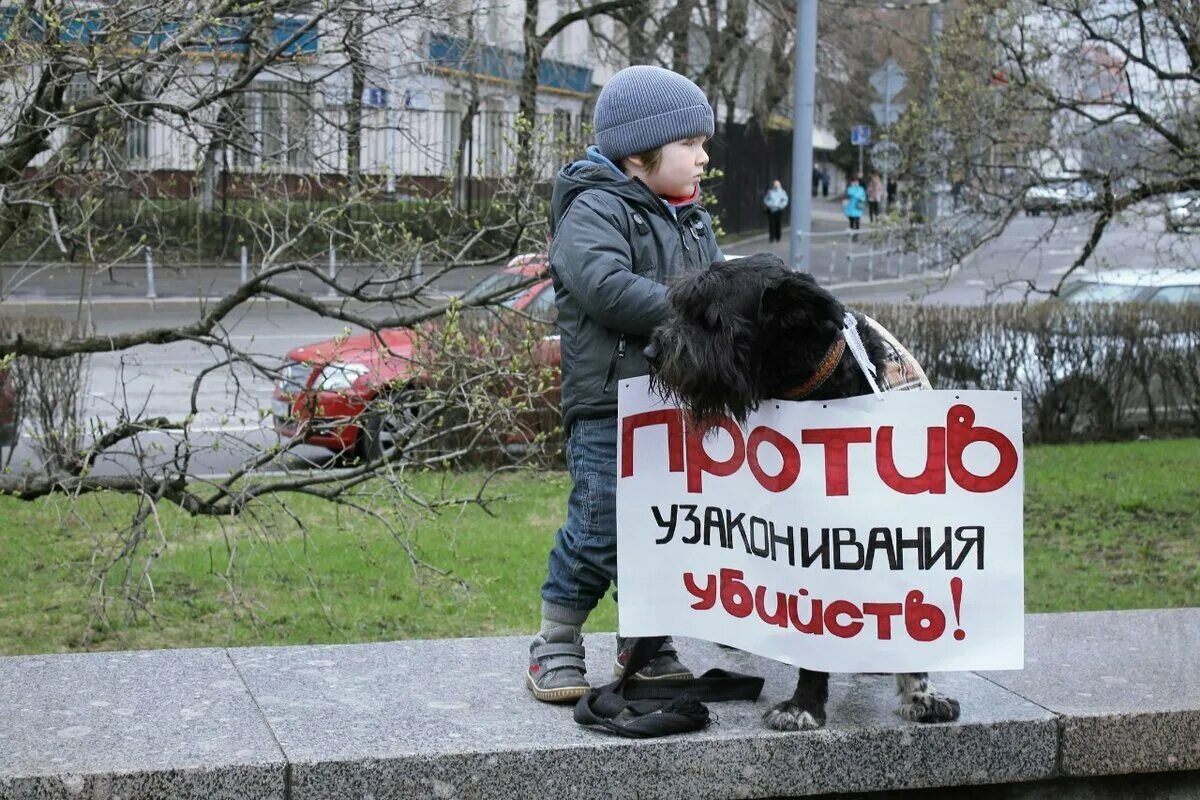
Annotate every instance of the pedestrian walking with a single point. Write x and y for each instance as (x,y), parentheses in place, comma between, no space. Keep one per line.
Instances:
(856,200)
(775,201)
(874,196)
(824,182)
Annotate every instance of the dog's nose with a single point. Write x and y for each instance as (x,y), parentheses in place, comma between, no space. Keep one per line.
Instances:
(651,353)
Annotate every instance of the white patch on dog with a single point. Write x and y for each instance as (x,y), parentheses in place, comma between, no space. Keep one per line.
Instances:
(788,717)
(908,684)
(920,702)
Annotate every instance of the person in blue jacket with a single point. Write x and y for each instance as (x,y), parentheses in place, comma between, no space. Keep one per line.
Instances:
(856,202)
(775,201)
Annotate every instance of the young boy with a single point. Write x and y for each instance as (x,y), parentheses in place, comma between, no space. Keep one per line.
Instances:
(624,221)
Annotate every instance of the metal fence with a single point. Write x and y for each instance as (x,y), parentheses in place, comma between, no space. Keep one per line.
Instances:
(749,160)
(406,158)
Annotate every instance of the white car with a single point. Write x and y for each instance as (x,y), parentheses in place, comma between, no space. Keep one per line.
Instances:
(1097,383)
(1183,211)
(1087,376)
(1060,195)
(1135,286)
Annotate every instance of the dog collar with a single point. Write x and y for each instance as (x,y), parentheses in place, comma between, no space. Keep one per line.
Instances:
(832,356)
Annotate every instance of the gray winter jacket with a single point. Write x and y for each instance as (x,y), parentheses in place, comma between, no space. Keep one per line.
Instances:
(614,247)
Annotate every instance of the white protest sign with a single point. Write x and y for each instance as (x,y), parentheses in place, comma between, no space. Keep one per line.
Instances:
(858,535)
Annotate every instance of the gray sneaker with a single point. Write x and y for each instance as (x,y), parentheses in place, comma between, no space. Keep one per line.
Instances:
(664,664)
(556,670)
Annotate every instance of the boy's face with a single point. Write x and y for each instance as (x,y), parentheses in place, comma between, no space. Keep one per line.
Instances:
(679,168)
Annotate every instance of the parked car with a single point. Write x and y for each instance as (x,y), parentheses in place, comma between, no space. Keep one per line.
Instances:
(1135,286)
(327,392)
(1182,211)
(1058,196)
(1093,387)
(1105,357)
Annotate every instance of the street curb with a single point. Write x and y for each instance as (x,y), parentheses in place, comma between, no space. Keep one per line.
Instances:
(173,301)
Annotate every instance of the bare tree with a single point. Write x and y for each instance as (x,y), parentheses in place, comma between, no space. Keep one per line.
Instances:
(1095,100)
(255,112)
(535,43)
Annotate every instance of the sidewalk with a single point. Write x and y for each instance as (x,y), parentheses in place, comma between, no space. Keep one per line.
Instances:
(64,283)
(55,283)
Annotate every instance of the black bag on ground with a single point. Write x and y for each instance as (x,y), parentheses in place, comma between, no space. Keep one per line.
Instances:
(645,709)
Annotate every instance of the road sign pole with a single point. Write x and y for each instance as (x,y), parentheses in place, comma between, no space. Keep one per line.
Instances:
(802,131)
(888,81)
(887,115)
(860,158)
(935,36)
(887,120)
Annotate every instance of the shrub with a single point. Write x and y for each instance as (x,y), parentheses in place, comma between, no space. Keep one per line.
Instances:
(1095,371)
(47,393)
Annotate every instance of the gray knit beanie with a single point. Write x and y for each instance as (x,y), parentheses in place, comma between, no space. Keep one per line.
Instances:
(642,108)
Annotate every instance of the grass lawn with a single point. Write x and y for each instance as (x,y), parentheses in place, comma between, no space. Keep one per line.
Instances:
(1107,526)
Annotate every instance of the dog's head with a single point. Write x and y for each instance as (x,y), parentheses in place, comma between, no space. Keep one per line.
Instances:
(742,331)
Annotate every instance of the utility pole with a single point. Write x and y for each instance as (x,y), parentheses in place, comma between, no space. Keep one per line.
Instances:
(804,100)
(933,173)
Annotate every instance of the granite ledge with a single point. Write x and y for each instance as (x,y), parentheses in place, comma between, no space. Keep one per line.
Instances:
(1103,694)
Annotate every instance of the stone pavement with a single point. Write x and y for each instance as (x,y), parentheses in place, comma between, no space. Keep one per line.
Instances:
(1102,694)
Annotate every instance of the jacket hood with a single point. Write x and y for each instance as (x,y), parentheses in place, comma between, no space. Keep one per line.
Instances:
(598,172)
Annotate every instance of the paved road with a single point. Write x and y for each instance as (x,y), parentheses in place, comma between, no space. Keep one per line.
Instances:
(231,401)
(1032,256)
(159,380)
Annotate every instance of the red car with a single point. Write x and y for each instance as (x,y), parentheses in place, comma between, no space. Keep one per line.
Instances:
(326,390)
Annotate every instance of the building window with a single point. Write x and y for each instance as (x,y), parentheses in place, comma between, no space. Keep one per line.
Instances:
(493,22)
(493,142)
(137,140)
(558,47)
(562,126)
(274,126)
(451,131)
(80,88)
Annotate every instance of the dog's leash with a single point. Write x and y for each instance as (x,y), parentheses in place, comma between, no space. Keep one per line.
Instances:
(642,709)
(847,339)
(859,351)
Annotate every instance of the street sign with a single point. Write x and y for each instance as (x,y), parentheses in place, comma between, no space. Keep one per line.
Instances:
(887,156)
(886,114)
(377,97)
(889,80)
(860,135)
(943,142)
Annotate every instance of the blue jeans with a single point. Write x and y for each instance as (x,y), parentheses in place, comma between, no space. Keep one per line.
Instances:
(584,560)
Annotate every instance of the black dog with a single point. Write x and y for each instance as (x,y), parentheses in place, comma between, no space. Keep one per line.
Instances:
(748,330)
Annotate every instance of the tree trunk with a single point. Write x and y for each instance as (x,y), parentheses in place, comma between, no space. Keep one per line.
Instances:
(216,156)
(635,20)
(534,49)
(465,128)
(678,24)
(534,46)
(354,110)
(783,52)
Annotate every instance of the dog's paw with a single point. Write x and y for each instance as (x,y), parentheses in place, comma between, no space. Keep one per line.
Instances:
(929,707)
(788,716)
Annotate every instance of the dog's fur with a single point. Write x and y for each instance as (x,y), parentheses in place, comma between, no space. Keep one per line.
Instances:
(747,330)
